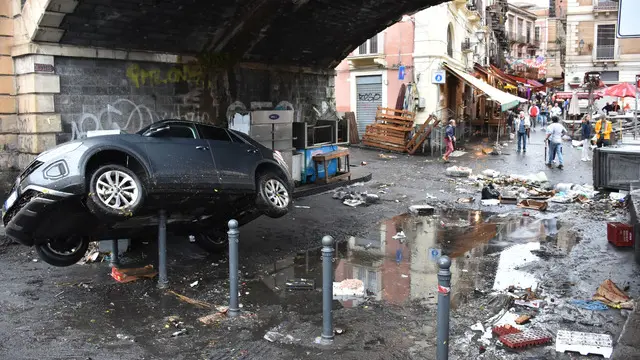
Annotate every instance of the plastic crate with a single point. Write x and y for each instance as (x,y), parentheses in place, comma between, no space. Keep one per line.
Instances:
(620,234)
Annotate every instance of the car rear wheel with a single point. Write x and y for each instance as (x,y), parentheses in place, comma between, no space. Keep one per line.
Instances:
(274,196)
(213,242)
(115,191)
(63,251)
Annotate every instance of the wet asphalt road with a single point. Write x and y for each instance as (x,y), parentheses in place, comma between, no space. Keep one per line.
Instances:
(80,312)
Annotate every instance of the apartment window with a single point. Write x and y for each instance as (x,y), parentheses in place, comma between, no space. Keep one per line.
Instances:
(606,42)
(369,47)
(610,76)
(520,27)
(537,34)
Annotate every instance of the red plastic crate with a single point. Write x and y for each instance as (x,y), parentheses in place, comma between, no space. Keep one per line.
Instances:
(505,330)
(525,339)
(620,234)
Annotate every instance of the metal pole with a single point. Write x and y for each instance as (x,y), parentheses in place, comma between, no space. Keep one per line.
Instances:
(327,289)
(444,302)
(115,260)
(635,112)
(163,282)
(233,235)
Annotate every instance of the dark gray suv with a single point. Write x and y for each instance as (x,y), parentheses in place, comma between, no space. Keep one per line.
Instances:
(112,186)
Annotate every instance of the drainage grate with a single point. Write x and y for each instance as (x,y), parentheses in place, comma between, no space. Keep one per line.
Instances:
(584,343)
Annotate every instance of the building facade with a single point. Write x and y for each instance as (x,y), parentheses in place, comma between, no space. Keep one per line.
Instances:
(374,72)
(453,33)
(550,34)
(521,32)
(592,45)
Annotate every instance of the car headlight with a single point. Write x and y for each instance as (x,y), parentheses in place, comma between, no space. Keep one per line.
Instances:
(58,151)
(56,171)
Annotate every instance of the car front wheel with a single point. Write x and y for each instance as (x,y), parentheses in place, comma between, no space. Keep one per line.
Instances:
(115,191)
(63,251)
(274,196)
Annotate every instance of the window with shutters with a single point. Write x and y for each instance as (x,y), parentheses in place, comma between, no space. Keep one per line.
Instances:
(605,41)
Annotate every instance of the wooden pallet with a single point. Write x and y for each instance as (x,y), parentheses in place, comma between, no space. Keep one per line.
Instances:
(391,129)
(422,134)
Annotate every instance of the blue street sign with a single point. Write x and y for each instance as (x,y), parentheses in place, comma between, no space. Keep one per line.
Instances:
(434,254)
(401,72)
(438,77)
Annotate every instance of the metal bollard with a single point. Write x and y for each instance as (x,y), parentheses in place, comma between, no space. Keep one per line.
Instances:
(327,289)
(115,260)
(233,234)
(444,302)
(163,281)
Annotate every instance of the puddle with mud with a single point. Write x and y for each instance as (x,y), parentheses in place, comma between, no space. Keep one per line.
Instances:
(487,252)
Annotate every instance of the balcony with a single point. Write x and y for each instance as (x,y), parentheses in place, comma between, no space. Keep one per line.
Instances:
(605,6)
(605,53)
(466,45)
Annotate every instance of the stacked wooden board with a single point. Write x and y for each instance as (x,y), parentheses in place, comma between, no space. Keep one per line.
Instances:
(391,130)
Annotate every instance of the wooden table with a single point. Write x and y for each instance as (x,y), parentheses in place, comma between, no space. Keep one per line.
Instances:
(325,158)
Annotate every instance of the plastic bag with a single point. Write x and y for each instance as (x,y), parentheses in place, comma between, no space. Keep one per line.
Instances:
(490,192)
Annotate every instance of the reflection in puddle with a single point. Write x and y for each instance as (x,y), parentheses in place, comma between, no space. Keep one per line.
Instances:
(396,268)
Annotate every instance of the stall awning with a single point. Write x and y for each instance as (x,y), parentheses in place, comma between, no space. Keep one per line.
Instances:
(506,100)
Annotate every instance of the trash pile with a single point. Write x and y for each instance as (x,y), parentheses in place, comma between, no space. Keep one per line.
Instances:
(516,325)
(353,198)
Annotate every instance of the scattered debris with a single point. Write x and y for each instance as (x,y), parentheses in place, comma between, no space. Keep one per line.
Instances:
(457,153)
(430,197)
(300,284)
(590,304)
(458,171)
(348,289)
(478,327)
(353,198)
(533,204)
(179,332)
(422,209)
(302,207)
(194,284)
(364,163)
(490,202)
(399,235)
(612,296)
(385,156)
(339,331)
(491,173)
(490,192)
(92,254)
(505,330)
(465,200)
(534,304)
(584,343)
(218,316)
(132,274)
(191,301)
(525,339)
(523,319)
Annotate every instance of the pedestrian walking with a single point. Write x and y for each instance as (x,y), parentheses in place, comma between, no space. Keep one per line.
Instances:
(449,139)
(556,111)
(603,131)
(586,137)
(534,111)
(555,131)
(544,114)
(522,125)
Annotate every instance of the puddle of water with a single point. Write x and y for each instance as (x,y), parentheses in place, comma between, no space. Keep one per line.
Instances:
(397,269)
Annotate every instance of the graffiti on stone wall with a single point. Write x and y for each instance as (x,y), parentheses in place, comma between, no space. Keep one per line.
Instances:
(130,117)
(187,73)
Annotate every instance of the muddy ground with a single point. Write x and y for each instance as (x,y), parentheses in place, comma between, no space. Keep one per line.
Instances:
(81,312)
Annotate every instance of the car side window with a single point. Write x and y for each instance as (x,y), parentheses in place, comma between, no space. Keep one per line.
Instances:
(213,133)
(176,131)
(235,138)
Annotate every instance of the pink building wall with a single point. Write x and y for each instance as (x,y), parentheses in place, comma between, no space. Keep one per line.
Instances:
(398,48)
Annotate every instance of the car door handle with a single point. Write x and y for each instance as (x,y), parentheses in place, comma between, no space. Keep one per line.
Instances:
(202,148)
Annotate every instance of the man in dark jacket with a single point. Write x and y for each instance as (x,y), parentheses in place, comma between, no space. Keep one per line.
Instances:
(449,139)
(586,137)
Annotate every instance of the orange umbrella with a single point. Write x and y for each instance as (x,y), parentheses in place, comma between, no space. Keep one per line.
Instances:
(621,90)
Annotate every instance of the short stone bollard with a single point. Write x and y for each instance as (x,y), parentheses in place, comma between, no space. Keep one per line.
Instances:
(444,303)
(114,261)
(327,290)
(233,235)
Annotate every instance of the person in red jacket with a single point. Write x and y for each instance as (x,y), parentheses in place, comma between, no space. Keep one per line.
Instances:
(534,113)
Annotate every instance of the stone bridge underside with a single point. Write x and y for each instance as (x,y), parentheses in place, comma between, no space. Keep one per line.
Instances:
(310,33)
(71,66)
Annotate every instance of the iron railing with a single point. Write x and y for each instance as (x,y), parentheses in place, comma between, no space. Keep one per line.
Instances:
(605,52)
(605,5)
